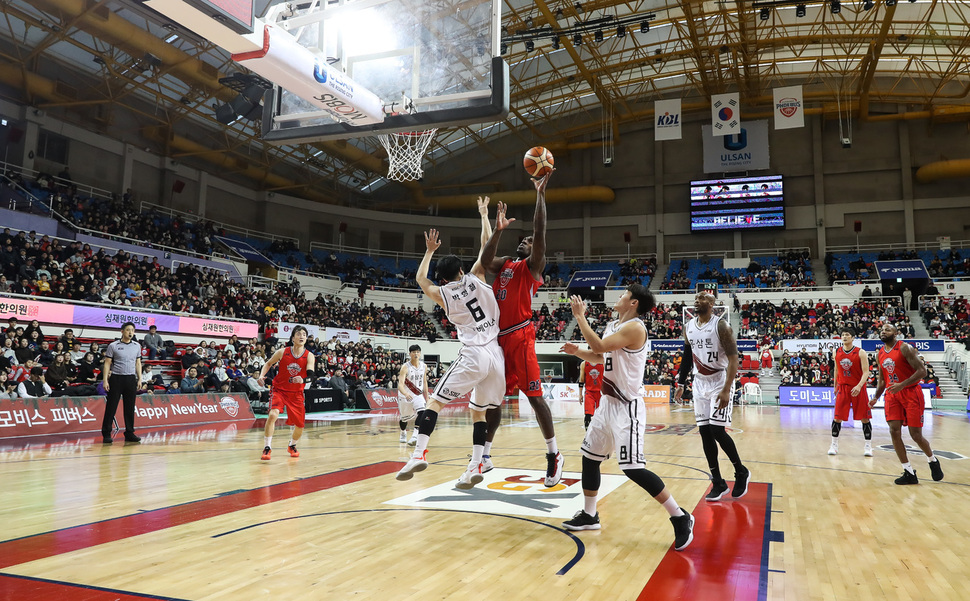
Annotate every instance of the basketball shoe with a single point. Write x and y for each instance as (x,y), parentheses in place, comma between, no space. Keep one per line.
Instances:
(867,451)
(741,479)
(683,530)
(293,452)
(414,438)
(907,478)
(937,470)
(266,453)
(718,489)
(554,464)
(404,436)
(583,521)
(834,449)
(487,464)
(417,463)
(470,477)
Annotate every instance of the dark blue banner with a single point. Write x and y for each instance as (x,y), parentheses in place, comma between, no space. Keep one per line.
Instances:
(921,346)
(744,346)
(244,249)
(590,279)
(901,270)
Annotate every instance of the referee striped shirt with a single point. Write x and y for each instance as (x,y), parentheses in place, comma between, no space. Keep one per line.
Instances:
(123,356)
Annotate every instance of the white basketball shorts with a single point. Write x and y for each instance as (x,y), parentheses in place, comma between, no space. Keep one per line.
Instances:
(478,368)
(408,408)
(706,389)
(617,427)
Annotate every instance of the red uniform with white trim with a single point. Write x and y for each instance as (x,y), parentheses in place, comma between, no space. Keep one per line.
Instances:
(848,372)
(907,404)
(288,394)
(766,359)
(514,288)
(593,383)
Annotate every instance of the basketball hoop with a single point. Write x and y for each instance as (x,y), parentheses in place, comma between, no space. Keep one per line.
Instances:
(405,151)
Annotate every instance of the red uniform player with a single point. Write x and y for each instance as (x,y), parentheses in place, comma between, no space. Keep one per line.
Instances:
(851,374)
(516,283)
(900,371)
(591,378)
(296,368)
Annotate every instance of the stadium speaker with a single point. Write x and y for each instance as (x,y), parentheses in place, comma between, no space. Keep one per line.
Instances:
(858,226)
(343,227)
(626,237)
(177,186)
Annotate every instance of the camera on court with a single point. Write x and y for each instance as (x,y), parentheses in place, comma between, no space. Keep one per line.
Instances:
(846,142)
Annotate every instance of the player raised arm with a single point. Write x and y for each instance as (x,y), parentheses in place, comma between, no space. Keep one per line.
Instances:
(537,259)
(486,225)
(487,255)
(630,335)
(431,243)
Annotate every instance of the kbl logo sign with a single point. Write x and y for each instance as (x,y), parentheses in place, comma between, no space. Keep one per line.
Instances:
(668,120)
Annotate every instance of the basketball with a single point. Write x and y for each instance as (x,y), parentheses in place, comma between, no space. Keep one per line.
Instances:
(538,161)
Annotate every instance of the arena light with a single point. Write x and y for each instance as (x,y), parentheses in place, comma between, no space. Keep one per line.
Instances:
(530,46)
(555,43)
(644,26)
(578,39)
(621,31)
(867,5)
(800,10)
(836,7)
(765,13)
(598,35)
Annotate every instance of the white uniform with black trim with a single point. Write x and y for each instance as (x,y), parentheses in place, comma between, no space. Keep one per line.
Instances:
(618,423)
(415,385)
(710,369)
(480,366)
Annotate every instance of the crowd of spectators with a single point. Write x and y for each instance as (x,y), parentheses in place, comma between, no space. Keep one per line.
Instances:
(769,323)
(817,369)
(791,269)
(947,317)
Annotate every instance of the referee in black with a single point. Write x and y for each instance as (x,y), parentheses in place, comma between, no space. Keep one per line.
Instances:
(121,375)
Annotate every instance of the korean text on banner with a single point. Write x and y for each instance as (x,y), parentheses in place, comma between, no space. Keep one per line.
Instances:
(726,114)
(667,119)
(789,110)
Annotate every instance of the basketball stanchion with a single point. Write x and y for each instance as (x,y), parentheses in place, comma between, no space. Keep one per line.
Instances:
(405,151)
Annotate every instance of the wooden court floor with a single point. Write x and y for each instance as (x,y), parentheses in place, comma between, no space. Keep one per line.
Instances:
(194,514)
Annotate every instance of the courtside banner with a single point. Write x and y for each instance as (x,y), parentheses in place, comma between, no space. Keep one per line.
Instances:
(789,110)
(96,316)
(655,394)
(63,415)
(386,398)
(667,118)
(818,396)
(901,270)
(814,345)
(286,328)
(921,346)
(556,392)
(725,114)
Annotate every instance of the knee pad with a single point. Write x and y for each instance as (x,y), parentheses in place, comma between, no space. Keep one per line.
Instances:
(647,480)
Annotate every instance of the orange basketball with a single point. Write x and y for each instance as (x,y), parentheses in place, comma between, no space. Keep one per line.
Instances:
(538,161)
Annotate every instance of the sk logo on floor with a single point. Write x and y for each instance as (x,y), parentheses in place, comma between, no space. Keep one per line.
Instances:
(505,491)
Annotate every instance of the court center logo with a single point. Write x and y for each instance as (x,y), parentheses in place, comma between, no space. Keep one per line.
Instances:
(505,492)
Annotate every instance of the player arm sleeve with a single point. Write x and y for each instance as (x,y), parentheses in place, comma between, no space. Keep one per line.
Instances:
(685,365)
(311,374)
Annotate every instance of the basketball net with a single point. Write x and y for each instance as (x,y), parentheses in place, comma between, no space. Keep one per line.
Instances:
(405,151)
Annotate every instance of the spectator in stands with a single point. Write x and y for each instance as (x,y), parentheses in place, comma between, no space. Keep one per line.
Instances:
(34,386)
(219,378)
(68,339)
(34,327)
(154,343)
(191,384)
(86,370)
(338,383)
(866,292)
(23,351)
(58,376)
(9,351)
(8,388)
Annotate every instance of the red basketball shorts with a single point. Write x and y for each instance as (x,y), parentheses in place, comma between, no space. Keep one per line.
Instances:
(907,406)
(521,364)
(292,402)
(591,400)
(858,404)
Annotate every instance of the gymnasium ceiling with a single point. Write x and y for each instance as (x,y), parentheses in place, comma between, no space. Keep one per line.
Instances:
(872,60)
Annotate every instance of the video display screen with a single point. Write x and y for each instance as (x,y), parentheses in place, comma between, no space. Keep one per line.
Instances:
(740,203)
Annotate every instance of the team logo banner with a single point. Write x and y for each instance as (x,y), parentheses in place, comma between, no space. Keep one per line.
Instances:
(666,124)
(744,150)
(901,270)
(725,114)
(789,111)
(817,396)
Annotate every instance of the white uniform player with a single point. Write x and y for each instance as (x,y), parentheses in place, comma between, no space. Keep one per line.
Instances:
(617,425)
(710,371)
(470,304)
(412,392)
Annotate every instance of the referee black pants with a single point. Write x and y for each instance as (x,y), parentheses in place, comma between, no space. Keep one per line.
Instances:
(120,387)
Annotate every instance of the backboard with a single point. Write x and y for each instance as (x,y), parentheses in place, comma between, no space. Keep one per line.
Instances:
(426,63)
